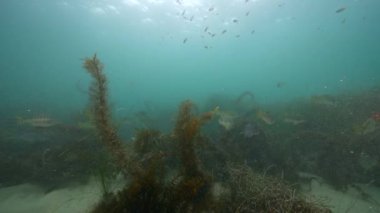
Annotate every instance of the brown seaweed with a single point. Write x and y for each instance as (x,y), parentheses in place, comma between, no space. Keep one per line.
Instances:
(152,190)
(103,123)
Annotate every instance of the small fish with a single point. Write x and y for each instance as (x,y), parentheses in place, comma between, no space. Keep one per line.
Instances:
(246,1)
(253,31)
(205,30)
(183,12)
(38,122)
(237,36)
(280,84)
(323,100)
(340,10)
(294,122)
(235,20)
(211,9)
(343,21)
(184,40)
(191,18)
(224,31)
(265,117)
(247,13)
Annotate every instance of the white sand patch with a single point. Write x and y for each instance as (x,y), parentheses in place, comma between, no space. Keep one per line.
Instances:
(351,201)
(29,198)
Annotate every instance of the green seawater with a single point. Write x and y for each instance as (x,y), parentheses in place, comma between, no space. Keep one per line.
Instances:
(297,77)
(302,44)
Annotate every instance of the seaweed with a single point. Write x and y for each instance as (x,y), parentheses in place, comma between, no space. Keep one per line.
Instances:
(142,193)
(146,140)
(151,188)
(262,193)
(192,191)
(107,132)
(146,191)
(186,129)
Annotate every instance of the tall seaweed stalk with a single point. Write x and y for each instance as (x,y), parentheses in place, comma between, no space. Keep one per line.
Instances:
(192,192)
(106,131)
(145,191)
(186,129)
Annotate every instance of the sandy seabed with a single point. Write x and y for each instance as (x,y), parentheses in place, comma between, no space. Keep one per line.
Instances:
(27,198)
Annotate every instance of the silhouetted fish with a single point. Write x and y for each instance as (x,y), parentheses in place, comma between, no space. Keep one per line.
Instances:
(224,31)
(340,10)
(280,84)
(184,40)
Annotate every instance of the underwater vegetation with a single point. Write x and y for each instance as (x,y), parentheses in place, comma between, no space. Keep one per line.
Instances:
(254,191)
(240,156)
(98,94)
(146,191)
(150,187)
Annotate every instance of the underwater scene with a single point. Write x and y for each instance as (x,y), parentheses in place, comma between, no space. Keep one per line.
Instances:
(238,106)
